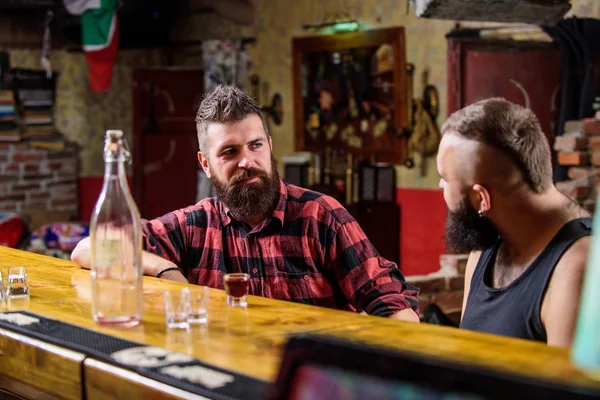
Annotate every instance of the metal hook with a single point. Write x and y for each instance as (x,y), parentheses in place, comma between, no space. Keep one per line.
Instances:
(45,58)
(126,151)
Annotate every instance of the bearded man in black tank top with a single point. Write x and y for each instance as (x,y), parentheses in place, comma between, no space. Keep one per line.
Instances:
(528,243)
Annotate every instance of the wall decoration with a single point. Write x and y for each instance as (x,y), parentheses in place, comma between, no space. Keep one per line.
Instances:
(425,135)
(350,93)
(226,62)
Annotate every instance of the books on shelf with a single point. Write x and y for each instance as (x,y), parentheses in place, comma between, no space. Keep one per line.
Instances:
(35,98)
(38,130)
(36,117)
(35,93)
(7,97)
(27,111)
(7,110)
(9,132)
(10,136)
(9,129)
(36,112)
(37,121)
(55,142)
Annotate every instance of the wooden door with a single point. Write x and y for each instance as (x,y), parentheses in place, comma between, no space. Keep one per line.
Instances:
(165,143)
(528,74)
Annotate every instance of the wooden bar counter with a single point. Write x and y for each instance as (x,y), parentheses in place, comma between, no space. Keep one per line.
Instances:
(248,341)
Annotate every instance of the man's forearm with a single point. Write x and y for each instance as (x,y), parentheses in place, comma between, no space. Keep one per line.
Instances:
(154,264)
(408,314)
(174,275)
(151,263)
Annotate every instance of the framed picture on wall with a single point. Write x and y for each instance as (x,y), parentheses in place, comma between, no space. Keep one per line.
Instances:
(350,93)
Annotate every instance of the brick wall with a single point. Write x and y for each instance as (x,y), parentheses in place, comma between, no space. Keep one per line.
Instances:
(579,149)
(443,287)
(35,182)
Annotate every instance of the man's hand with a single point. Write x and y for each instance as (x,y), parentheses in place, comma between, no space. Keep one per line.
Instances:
(82,254)
(151,263)
(408,314)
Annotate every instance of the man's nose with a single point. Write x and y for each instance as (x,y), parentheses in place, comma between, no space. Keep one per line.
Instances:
(245,160)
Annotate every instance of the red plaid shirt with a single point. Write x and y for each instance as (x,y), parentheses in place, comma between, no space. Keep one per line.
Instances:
(311,250)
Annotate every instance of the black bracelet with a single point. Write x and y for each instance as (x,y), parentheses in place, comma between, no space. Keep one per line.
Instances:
(169,269)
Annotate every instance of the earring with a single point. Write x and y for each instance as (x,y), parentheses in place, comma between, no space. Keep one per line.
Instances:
(480,213)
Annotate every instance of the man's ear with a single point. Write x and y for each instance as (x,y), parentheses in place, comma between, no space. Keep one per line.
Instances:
(203,160)
(270,143)
(481,199)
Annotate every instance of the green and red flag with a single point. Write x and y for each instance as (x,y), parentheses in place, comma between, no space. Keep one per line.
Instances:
(100,38)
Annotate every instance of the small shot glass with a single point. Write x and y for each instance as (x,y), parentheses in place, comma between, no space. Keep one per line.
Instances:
(16,283)
(236,288)
(177,309)
(199,300)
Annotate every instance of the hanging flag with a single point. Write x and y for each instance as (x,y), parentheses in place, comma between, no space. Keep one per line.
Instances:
(100,38)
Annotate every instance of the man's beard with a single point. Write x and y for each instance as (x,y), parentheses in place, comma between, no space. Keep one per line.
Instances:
(250,199)
(466,231)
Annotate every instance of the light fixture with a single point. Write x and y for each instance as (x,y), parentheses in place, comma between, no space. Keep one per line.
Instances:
(346,26)
(334,23)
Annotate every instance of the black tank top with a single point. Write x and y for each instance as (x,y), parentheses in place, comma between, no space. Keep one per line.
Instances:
(514,310)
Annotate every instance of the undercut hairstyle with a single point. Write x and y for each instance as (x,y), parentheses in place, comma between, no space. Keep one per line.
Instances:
(224,105)
(512,129)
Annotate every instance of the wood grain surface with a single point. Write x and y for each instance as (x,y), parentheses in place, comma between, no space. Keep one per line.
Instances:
(250,341)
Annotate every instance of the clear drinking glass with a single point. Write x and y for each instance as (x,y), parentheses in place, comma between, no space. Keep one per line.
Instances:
(236,287)
(199,300)
(177,308)
(2,293)
(16,283)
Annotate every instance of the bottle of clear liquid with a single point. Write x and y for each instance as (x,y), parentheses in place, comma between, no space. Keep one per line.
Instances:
(116,243)
(586,346)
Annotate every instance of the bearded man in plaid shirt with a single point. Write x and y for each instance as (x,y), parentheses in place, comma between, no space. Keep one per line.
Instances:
(295,244)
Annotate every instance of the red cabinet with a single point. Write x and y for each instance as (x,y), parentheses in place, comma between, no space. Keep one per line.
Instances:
(165,143)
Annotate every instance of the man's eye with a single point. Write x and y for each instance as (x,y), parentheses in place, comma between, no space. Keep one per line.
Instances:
(227,152)
(256,145)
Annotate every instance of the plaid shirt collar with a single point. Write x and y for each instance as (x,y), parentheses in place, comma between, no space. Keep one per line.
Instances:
(278,214)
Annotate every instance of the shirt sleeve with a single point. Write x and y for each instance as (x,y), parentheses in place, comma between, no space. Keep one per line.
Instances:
(370,282)
(164,236)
